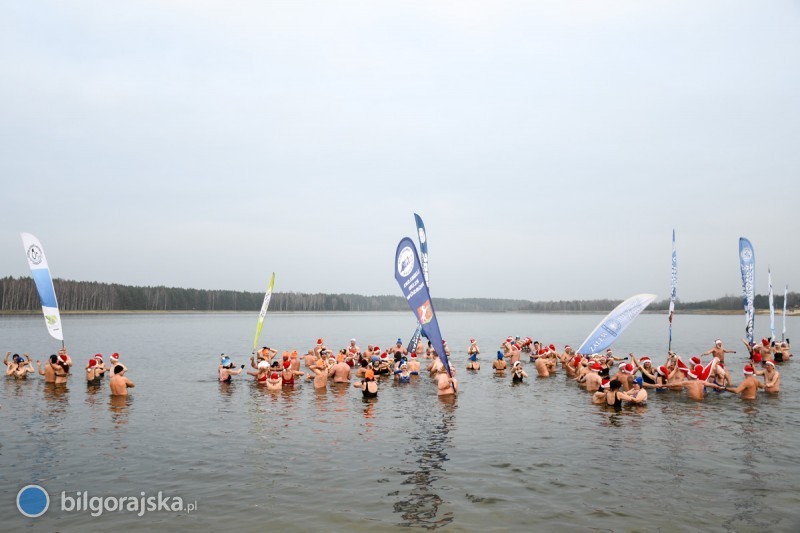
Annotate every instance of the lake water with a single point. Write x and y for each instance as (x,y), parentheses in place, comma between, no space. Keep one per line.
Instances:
(533,457)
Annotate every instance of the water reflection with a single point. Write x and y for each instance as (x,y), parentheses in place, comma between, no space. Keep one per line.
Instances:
(421,508)
(119,406)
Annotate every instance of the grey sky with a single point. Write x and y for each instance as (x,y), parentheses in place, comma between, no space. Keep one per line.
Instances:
(550,147)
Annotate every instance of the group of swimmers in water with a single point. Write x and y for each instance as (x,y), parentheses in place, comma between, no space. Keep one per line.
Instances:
(322,366)
(611,380)
(596,374)
(56,370)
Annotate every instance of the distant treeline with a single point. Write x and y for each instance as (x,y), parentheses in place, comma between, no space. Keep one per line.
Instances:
(19,294)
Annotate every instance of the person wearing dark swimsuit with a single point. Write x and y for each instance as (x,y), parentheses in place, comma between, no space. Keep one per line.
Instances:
(615,395)
(369,387)
(226,370)
(518,373)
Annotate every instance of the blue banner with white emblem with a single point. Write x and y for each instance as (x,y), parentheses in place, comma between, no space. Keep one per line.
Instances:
(408,273)
(747,262)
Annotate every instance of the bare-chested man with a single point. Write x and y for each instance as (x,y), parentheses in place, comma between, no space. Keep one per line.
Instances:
(353,349)
(695,387)
(718,351)
(447,385)
(413,365)
(506,346)
(310,359)
(48,371)
(436,365)
(514,354)
(320,347)
(541,367)
(19,367)
(320,374)
(574,367)
(625,376)
(119,383)
(748,388)
(772,378)
(592,379)
(340,372)
(114,358)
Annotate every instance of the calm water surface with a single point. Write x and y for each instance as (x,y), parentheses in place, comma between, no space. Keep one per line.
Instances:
(531,457)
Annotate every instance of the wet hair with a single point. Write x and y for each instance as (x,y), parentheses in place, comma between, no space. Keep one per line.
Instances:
(64,366)
(364,363)
(118,369)
(615,384)
(276,364)
(54,359)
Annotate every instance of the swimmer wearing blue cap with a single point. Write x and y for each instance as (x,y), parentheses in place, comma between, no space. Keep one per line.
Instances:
(399,350)
(638,394)
(19,367)
(472,363)
(499,364)
(227,369)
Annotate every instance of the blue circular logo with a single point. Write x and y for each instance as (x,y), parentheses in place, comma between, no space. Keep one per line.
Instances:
(32,501)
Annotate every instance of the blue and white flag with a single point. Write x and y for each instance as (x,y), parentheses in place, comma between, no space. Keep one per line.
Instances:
(673,293)
(771,305)
(615,323)
(785,297)
(747,262)
(423,247)
(44,284)
(408,273)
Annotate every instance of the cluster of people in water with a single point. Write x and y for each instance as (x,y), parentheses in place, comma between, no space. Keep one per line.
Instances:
(362,368)
(610,379)
(56,369)
(633,377)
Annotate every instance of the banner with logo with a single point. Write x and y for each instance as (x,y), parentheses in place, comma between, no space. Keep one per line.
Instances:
(408,273)
(615,323)
(771,306)
(747,262)
(785,297)
(673,292)
(44,284)
(263,314)
(423,255)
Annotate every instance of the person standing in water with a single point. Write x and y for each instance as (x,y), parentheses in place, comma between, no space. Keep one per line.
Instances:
(447,385)
(368,385)
(472,362)
(499,364)
(772,378)
(517,373)
(227,369)
(473,348)
(748,388)
(119,383)
(92,374)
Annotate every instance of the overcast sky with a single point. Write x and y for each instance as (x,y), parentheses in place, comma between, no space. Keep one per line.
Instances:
(550,147)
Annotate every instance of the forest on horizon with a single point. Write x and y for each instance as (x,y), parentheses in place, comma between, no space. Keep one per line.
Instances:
(20,295)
